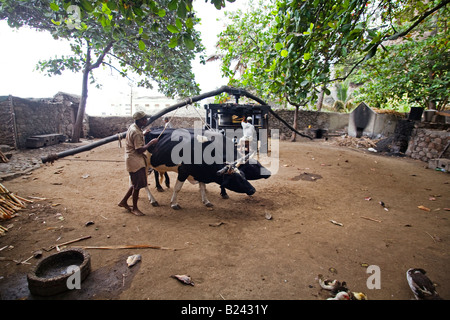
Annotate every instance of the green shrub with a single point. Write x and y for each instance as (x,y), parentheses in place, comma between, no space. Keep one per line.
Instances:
(339,106)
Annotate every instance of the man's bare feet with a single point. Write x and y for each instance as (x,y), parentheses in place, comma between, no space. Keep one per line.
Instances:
(124,205)
(137,212)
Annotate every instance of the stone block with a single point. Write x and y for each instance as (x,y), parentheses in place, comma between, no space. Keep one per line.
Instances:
(439,164)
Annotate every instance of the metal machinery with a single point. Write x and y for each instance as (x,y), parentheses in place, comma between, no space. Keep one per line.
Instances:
(227,118)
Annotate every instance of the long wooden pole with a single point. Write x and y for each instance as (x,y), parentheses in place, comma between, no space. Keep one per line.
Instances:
(224,89)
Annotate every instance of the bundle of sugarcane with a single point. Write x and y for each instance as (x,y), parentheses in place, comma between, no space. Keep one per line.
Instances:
(10,203)
(3,158)
(3,230)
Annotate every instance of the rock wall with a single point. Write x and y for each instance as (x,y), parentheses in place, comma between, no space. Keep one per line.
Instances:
(102,127)
(429,143)
(306,120)
(23,118)
(7,127)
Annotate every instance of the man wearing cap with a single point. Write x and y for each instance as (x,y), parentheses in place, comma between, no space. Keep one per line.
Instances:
(248,133)
(135,161)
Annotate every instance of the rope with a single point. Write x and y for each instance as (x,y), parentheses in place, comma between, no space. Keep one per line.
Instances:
(166,125)
(120,140)
(189,103)
(87,160)
(201,118)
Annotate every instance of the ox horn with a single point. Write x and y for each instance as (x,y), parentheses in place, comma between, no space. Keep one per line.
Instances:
(224,169)
(243,159)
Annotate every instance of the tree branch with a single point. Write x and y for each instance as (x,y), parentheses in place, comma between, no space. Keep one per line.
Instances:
(295,104)
(419,20)
(120,72)
(102,56)
(395,36)
(350,72)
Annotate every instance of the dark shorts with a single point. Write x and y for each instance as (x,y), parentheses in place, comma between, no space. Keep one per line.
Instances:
(139,178)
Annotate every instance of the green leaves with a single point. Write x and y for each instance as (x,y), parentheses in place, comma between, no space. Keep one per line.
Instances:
(141,45)
(86,5)
(407,73)
(293,43)
(190,44)
(173,42)
(190,23)
(54,6)
(278,46)
(173,29)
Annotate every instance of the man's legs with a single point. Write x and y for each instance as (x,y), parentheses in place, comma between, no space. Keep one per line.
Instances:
(138,180)
(124,201)
(135,210)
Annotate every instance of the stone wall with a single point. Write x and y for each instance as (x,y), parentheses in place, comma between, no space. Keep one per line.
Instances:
(330,121)
(429,143)
(7,127)
(102,127)
(23,118)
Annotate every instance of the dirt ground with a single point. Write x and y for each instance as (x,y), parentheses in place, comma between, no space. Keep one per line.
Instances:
(232,251)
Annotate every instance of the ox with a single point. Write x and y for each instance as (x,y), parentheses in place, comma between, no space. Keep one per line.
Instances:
(252,171)
(157,178)
(200,155)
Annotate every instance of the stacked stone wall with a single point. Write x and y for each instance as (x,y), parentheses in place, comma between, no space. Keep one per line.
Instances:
(7,130)
(24,118)
(426,144)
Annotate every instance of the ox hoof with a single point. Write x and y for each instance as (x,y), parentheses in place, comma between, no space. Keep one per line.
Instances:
(209,205)
(176,207)
(155,204)
(225,196)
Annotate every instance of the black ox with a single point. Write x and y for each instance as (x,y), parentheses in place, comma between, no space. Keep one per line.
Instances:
(205,157)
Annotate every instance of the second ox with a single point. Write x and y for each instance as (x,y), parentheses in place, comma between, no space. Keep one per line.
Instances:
(203,156)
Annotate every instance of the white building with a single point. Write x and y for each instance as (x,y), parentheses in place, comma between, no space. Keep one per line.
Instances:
(127,104)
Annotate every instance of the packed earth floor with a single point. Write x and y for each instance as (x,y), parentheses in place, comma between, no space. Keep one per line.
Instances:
(319,213)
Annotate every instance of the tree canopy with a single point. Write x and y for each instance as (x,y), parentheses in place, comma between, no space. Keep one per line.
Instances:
(154,40)
(414,70)
(288,49)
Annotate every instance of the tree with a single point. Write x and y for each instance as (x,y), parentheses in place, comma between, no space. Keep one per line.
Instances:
(415,69)
(154,40)
(308,37)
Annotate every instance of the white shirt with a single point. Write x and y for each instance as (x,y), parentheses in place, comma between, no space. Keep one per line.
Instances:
(249,130)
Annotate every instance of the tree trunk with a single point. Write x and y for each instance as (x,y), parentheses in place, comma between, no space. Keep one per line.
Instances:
(319,103)
(78,126)
(294,135)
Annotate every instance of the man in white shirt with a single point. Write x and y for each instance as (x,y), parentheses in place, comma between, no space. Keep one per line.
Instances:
(249,133)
